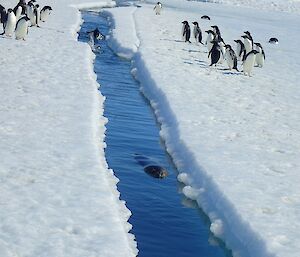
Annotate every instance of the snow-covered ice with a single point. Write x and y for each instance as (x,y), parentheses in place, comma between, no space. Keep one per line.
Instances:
(57,195)
(236,137)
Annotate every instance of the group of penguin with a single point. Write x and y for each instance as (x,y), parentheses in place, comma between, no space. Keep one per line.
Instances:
(247,51)
(22,16)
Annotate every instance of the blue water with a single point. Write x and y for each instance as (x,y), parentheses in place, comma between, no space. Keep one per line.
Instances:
(165,223)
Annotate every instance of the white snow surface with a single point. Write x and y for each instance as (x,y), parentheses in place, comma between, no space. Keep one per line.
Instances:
(57,195)
(235,138)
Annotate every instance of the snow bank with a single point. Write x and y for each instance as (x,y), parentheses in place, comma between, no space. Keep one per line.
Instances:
(235,138)
(57,195)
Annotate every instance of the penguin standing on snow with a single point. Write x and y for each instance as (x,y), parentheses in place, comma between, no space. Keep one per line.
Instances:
(240,49)
(249,35)
(215,53)
(260,56)
(22,28)
(18,12)
(210,38)
(3,16)
(22,4)
(248,43)
(249,62)
(10,24)
(36,13)
(217,32)
(45,12)
(197,33)
(222,49)
(157,8)
(186,31)
(231,58)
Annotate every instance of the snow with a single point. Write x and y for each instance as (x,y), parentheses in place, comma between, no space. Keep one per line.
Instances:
(57,195)
(235,138)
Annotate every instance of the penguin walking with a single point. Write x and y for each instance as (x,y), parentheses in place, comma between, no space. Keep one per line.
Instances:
(22,28)
(10,24)
(231,58)
(157,8)
(209,40)
(45,12)
(214,53)
(249,62)
(240,49)
(186,33)
(197,33)
(260,56)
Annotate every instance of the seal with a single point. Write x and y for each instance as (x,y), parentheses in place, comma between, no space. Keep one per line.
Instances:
(150,167)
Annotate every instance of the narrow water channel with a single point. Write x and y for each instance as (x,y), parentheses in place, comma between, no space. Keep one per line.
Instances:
(165,223)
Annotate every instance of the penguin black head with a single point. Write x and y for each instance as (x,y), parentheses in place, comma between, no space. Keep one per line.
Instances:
(26,18)
(253,52)
(9,10)
(247,33)
(205,17)
(210,32)
(246,36)
(195,23)
(228,46)
(184,22)
(37,5)
(258,44)
(238,41)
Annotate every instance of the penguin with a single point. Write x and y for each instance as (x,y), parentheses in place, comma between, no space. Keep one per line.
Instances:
(215,53)
(249,35)
(260,56)
(217,31)
(210,38)
(10,24)
(30,12)
(248,62)
(22,28)
(222,49)
(197,33)
(186,31)
(3,16)
(96,34)
(231,58)
(36,13)
(45,12)
(18,12)
(240,49)
(248,42)
(157,8)
(22,4)
(205,17)
(273,40)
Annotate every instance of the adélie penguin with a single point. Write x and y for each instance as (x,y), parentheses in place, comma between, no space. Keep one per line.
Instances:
(260,56)
(10,24)
(22,28)
(197,33)
(45,12)
(210,38)
(214,53)
(231,58)
(157,8)
(186,31)
(240,49)
(249,62)
(217,31)
(3,16)
(248,43)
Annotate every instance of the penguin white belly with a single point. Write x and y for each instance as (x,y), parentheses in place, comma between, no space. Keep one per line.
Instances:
(21,30)
(10,24)
(248,64)
(18,13)
(229,60)
(238,50)
(260,60)
(248,46)
(223,51)
(209,42)
(195,33)
(44,15)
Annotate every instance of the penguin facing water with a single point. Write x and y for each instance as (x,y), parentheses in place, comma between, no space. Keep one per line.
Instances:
(231,58)
(186,31)
(197,33)
(249,62)
(22,28)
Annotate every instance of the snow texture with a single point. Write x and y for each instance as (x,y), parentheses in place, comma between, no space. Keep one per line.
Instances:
(57,195)
(235,138)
